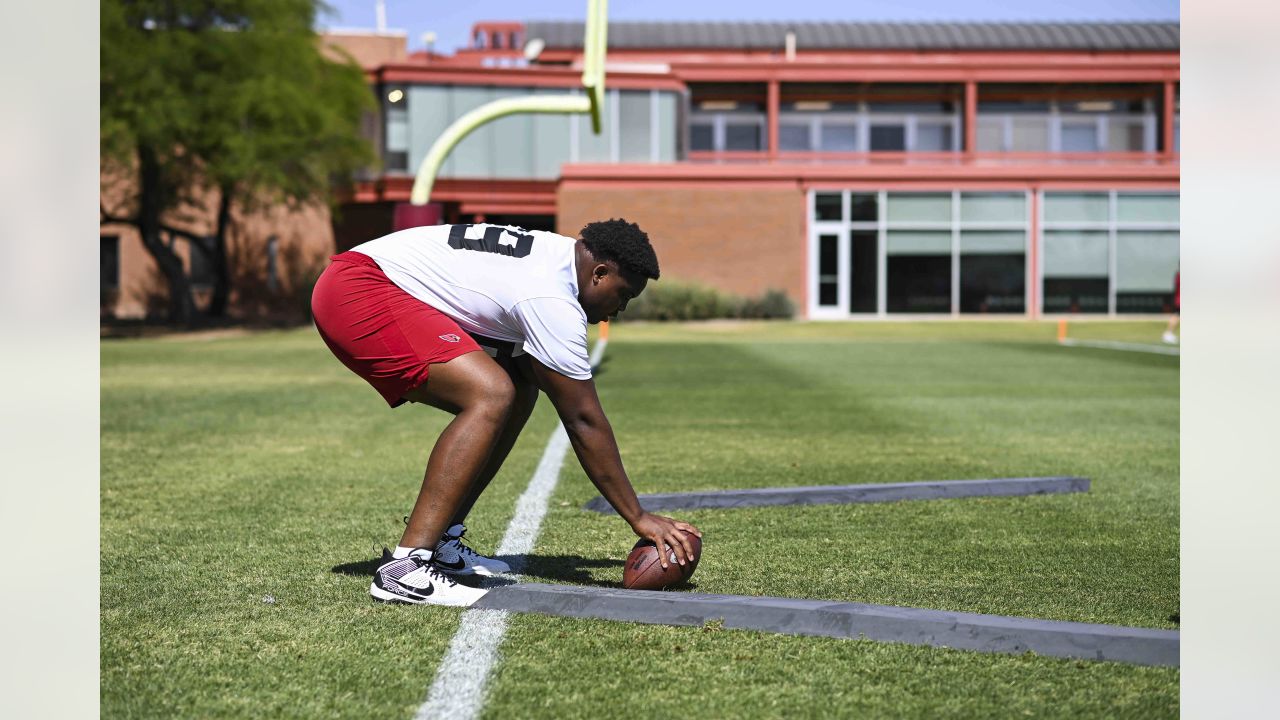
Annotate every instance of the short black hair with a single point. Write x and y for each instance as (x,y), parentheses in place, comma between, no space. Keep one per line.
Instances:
(624,243)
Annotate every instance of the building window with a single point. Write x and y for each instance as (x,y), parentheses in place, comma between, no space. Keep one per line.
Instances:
(201,263)
(993,252)
(395,107)
(1069,126)
(1109,252)
(727,125)
(109,263)
(919,252)
(828,270)
(810,125)
(889,137)
(273,263)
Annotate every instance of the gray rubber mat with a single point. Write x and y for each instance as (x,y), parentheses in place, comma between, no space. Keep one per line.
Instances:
(965,631)
(842,494)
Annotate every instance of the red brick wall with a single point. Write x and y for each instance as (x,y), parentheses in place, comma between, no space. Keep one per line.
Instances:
(744,241)
(305,236)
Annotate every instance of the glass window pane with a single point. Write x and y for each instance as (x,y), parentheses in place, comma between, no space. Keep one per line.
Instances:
(1030,134)
(473,155)
(888,137)
(793,137)
(993,283)
(918,242)
(993,242)
(741,136)
(666,127)
(993,207)
(1147,208)
(826,206)
(863,207)
(1146,261)
(1079,138)
(1076,207)
(1075,253)
(839,137)
(701,137)
(593,147)
(990,134)
(919,207)
(827,255)
(634,139)
(827,270)
(109,262)
(511,154)
(551,138)
(397,131)
(1126,135)
(918,283)
(863,273)
(1075,295)
(933,137)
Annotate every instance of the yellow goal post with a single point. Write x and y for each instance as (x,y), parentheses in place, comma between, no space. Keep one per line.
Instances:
(594,47)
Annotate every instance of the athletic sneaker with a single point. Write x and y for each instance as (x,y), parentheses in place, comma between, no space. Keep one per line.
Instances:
(454,557)
(1170,338)
(417,581)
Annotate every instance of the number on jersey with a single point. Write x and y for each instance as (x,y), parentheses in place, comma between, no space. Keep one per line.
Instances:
(498,240)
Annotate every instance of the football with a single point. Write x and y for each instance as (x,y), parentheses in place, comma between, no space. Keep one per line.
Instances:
(643,571)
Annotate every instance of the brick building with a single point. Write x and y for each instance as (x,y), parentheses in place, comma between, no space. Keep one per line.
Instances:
(867,169)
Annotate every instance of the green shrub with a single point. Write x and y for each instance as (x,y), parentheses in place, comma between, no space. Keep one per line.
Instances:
(679,300)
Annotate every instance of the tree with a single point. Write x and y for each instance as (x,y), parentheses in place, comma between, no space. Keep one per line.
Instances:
(232,97)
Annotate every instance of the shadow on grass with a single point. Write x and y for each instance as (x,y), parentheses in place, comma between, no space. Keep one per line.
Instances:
(568,569)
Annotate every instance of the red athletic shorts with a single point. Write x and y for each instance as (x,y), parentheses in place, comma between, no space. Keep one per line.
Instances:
(380,332)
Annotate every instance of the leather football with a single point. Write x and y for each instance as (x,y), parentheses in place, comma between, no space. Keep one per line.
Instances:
(644,572)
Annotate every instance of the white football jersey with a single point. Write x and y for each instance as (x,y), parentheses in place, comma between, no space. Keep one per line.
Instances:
(499,281)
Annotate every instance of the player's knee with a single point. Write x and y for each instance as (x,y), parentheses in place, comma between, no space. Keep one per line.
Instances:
(498,397)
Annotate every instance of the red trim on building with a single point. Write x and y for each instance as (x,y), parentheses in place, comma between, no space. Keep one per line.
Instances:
(1166,119)
(773,103)
(898,66)
(970,118)
(496,197)
(956,174)
(526,77)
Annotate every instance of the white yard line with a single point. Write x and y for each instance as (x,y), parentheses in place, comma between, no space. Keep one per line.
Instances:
(458,690)
(1113,345)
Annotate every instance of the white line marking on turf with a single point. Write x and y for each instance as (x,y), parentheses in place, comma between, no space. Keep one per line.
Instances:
(1113,345)
(457,692)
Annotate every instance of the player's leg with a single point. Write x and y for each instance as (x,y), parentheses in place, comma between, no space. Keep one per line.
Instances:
(526,396)
(484,397)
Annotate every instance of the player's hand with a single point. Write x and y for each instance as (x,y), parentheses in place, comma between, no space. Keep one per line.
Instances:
(665,531)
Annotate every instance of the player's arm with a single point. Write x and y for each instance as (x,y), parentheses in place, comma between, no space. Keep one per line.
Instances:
(593,441)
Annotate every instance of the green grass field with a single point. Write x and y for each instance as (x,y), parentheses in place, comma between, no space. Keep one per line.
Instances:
(247,480)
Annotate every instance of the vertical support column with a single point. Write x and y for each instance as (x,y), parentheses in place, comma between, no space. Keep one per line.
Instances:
(970,118)
(1034,284)
(775,100)
(1166,121)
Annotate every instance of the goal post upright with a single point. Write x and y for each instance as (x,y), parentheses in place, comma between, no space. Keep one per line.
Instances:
(591,102)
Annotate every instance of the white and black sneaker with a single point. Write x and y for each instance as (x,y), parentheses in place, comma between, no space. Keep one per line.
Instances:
(454,557)
(417,581)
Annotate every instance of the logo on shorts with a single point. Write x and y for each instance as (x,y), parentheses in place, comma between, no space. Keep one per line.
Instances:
(450,338)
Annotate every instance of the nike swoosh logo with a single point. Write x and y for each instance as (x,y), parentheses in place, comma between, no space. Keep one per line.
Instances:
(457,565)
(408,591)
